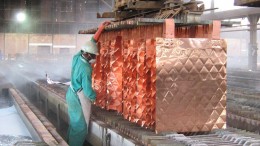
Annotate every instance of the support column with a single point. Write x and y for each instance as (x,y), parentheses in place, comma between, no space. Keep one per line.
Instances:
(28,44)
(212,7)
(4,47)
(252,48)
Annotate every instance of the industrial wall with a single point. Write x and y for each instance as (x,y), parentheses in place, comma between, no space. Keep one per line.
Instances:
(50,27)
(13,45)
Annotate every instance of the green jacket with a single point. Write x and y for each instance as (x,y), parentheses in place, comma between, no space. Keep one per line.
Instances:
(81,76)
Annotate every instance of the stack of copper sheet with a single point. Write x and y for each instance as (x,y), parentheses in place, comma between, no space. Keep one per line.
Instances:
(100,72)
(162,82)
(191,84)
(129,74)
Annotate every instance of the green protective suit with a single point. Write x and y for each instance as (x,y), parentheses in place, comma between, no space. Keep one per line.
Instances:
(80,80)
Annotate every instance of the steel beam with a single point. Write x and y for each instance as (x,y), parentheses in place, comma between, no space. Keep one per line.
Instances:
(106,15)
(231,14)
(249,3)
(133,23)
(106,3)
(144,5)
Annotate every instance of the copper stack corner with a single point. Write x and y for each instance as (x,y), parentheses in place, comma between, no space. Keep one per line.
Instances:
(190,85)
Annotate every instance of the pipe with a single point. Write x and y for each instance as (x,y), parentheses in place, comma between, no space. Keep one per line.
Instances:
(108,139)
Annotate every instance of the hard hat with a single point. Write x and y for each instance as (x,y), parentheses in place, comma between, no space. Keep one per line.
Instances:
(90,47)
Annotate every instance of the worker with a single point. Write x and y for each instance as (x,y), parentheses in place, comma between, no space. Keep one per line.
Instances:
(80,91)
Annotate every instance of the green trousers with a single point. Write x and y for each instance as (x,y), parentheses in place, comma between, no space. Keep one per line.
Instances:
(77,131)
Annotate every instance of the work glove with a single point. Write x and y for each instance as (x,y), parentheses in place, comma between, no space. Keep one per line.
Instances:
(104,24)
(100,29)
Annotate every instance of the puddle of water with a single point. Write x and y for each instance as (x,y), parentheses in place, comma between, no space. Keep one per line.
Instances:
(8,140)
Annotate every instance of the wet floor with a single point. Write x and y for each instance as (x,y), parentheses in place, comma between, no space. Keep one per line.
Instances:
(12,128)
